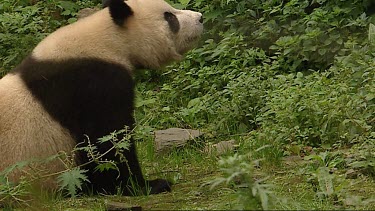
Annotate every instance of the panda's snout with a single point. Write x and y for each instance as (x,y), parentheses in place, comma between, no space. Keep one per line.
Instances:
(201,18)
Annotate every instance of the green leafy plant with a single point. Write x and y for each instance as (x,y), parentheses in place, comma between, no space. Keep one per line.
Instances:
(73,177)
(239,170)
(11,194)
(26,23)
(329,183)
(363,157)
(72,180)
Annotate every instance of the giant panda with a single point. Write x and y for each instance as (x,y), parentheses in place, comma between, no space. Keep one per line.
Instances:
(78,83)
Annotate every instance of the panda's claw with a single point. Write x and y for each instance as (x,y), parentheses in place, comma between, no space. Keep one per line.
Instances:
(159,186)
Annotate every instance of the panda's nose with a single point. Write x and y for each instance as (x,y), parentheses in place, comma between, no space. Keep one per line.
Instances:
(201,19)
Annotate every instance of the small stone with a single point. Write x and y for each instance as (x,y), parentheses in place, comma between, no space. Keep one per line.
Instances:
(221,147)
(118,206)
(351,174)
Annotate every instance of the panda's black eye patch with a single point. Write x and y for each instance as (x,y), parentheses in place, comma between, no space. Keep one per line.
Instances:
(172,20)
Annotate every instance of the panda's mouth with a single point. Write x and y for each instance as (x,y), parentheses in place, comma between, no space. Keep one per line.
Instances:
(188,44)
(194,36)
(192,39)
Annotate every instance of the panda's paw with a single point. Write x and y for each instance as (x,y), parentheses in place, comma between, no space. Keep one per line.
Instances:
(158,186)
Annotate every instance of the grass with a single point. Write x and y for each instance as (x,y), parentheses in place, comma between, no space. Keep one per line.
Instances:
(191,170)
(188,168)
(292,183)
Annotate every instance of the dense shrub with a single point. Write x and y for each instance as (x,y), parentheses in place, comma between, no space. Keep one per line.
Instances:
(25,23)
(327,107)
(302,34)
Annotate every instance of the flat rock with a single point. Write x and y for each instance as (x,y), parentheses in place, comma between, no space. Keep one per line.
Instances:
(174,137)
(221,147)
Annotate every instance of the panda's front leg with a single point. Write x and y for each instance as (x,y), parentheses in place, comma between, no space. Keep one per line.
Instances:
(127,179)
(131,174)
(158,186)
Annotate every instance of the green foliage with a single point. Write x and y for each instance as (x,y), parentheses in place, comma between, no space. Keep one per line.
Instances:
(219,85)
(73,177)
(300,34)
(327,159)
(327,180)
(363,157)
(286,74)
(323,108)
(24,24)
(11,193)
(15,194)
(72,180)
(30,26)
(239,169)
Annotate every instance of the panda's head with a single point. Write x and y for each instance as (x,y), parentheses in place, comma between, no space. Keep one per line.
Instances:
(135,33)
(158,24)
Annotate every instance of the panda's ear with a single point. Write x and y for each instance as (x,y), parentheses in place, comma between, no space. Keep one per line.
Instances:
(119,10)
(105,3)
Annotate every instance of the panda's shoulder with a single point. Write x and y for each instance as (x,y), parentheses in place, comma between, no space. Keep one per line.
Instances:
(85,87)
(32,69)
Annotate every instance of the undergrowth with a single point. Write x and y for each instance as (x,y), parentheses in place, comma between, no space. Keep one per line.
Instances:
(285,79)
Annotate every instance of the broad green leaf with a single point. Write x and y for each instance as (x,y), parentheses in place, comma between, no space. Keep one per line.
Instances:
(325,181)
(72,180)
(106,166)
(123,145)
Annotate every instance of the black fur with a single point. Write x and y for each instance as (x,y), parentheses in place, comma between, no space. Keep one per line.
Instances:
(105,3)
(119,10)
(90,97)
(173,22)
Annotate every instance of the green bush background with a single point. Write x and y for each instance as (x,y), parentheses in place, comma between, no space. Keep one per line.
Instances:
(269,72)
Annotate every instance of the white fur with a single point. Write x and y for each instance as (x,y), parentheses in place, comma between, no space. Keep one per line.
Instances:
(26,130)
(145,40)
